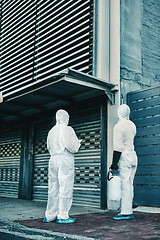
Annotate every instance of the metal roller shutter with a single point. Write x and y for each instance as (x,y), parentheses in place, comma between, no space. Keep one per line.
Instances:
(10,146)
(41,159)
(87,164)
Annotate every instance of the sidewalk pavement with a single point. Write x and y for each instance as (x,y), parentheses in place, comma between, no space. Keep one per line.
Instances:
(24,219)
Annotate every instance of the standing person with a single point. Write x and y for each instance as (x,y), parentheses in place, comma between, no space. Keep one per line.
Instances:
(124,153)
(62,143)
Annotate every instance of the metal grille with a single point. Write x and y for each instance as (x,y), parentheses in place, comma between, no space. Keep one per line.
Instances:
(40,146)
(12,149)
(87,175)
(40,38)
(145,112)
(9,174)
(9,163)
(41,159)
(41,175)
(87,165)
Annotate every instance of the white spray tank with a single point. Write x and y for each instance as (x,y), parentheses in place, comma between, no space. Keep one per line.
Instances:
(114,186)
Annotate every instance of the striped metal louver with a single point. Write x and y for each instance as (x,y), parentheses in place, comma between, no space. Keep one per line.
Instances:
(42,37)
(17,44)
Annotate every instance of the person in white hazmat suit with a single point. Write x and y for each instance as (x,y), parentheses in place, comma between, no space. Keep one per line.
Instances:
(62,143)
(125,158)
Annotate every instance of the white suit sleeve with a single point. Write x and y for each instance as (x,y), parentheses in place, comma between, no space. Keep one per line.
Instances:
(48,142)
(70,140)
(118,138)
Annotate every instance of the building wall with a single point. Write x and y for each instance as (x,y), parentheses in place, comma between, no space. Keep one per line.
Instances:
(140,45)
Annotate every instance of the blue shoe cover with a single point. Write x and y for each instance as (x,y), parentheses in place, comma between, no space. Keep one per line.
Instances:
(45,220)
(69,220)
(123,217)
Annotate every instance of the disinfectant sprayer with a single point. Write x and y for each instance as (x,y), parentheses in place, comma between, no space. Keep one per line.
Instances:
(114,186)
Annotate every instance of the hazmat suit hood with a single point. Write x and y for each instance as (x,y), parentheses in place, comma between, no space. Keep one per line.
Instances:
(62,117)
(123,112)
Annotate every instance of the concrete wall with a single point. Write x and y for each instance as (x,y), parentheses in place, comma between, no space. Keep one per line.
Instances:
(140,45)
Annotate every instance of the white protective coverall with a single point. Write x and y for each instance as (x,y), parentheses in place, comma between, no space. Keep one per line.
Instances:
(123,138)
(62,143)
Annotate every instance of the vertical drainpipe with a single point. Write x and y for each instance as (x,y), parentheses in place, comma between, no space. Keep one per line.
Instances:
(101,66)
(106,65)
(112,117)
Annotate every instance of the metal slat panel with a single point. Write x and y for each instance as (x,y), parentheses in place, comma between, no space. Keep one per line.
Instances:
(9,189)
(11,43)
(19,25)
(41,38)
(10,33)
(40,193)
(150,121)
(60,39)
(41,160)
(17,45)
(149,140)
(90,198)
(69,33)
(10,8)
(144,103)
(56,18)
(10,147)
(144,94)
(62,47)
(19,50)
(148,160)
(87,164)
(147,195)
(148,150)
(145,169)
(145,112)
(148,178)
(62,63)
(148,130)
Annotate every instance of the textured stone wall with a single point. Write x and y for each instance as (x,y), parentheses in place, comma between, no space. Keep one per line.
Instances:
(140,45)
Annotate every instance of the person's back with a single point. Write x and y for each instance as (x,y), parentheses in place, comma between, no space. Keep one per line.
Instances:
(124,133)
(62,137)
(55,143)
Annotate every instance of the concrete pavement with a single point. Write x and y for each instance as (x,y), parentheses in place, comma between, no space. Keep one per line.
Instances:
(24,218)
